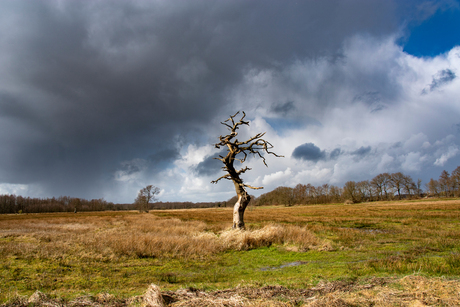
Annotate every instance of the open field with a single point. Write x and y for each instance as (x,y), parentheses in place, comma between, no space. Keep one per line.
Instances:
(383,253)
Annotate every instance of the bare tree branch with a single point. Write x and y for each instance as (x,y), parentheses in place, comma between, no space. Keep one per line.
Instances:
(254,188)
(241,171)
(220,159)
(222,177)
(255,145)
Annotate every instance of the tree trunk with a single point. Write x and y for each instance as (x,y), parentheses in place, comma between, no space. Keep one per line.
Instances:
(240,207)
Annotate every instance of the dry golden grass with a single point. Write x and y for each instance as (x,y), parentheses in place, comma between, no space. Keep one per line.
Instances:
(202,232)
(423,209)
(41,251)
(272,234)
(137,235)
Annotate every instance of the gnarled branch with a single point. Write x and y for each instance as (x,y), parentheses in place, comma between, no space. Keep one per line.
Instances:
(255,145)
(222,177)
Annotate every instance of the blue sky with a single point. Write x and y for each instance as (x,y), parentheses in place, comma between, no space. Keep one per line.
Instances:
(101,98)
(436,35)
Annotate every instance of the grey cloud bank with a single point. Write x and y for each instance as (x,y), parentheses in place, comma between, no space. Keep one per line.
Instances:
(98,99)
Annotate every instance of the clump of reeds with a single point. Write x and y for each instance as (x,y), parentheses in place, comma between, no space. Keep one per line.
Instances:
(180,240)
(269,235)
(151,236)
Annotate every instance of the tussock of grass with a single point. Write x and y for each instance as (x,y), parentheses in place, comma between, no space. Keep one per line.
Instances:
(158,245)
(151,236)
(271,234)
(182,240)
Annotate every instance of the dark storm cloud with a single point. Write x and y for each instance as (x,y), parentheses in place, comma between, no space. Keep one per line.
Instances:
(131,168)
(163,157)
(335,154)
(283,108)
(442,77)
(309,152)
(210,165)
(86,85)
(362,151)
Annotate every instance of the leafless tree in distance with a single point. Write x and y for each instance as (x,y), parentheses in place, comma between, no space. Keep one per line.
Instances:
(255,145)
(145,197)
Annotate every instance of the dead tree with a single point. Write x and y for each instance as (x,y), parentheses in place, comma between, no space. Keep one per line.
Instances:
(255,146)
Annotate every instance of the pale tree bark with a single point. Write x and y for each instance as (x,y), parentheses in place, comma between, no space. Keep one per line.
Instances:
(240,206)
(254,145)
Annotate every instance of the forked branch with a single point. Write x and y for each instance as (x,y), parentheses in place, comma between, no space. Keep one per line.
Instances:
(255,145)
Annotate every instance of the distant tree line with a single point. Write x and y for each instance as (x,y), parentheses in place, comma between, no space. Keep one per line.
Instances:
(20,204)
(385,186)
(186,205)
(160,205)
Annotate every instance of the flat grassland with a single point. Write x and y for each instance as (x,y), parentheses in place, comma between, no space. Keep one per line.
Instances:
(372,254)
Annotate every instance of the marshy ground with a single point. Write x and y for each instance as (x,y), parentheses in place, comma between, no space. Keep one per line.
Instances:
(373,254)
